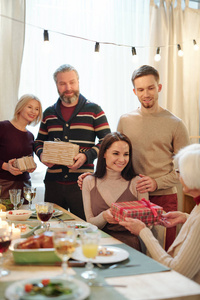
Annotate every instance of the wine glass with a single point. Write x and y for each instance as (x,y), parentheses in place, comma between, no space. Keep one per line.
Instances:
(64,240)
(44,213)
(5,240)
(90,242)
(15,197)
(29,195)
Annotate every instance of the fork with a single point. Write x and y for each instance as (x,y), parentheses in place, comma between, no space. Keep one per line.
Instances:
(115,266)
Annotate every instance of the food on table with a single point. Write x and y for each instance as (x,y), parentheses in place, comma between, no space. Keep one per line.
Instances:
(17,214)
(47,288)
(9,206)
(44,240)
(104,252)
(23,227)
(2,207)
(79,226)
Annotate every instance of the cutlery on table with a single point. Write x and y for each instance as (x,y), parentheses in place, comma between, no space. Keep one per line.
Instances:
(59,219)
(99,284)
(115,266)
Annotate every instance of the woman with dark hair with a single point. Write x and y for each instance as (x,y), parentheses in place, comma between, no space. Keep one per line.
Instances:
(113,181)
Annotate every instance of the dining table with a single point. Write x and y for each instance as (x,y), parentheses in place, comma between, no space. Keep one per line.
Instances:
(145,280)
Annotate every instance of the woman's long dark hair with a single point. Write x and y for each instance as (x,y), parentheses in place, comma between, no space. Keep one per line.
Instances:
(128,172)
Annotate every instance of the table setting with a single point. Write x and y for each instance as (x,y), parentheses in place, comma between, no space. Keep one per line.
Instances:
(114,263)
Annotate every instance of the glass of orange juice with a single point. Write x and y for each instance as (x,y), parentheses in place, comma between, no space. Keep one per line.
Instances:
(90,243)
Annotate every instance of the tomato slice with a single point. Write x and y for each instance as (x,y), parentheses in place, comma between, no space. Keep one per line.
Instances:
(45,281)
(28,287)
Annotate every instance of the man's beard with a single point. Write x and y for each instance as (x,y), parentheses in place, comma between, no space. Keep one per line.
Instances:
(69,100)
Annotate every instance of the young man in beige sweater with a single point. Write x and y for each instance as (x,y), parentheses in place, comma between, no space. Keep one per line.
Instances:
(156,135)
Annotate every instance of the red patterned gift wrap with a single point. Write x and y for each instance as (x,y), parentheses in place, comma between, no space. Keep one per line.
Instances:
(144,210)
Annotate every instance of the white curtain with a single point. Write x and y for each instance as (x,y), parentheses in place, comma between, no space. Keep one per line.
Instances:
(170,24)
(12,27)
(107,80)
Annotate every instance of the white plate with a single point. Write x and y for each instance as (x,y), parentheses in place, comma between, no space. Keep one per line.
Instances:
(80,290)
(117,256)
(83,226)
(57,213)
(29,228)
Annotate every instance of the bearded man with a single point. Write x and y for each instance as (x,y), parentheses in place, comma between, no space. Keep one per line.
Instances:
(71,119)
(156,136)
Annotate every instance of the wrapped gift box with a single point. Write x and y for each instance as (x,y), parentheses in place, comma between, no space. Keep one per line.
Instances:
(24,163)
(60,153)
(144,210)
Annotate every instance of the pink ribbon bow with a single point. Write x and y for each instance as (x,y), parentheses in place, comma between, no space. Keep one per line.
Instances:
(148,204)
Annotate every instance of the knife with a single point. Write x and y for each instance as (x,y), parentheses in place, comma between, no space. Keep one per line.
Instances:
(122,266)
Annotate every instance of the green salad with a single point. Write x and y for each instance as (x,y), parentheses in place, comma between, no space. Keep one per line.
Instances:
(47,288)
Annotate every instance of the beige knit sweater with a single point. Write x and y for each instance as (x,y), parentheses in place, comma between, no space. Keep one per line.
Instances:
(155,139)
(184,254)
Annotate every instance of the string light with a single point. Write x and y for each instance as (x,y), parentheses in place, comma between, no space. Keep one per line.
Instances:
(46,44)
(97,47)
(157,57)
(134,55)
(196,47)
(180,52)
(46,36)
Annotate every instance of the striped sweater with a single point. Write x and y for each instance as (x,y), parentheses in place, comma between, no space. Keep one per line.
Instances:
(87,122)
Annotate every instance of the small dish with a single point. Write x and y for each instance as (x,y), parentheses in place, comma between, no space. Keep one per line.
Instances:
(18,215)
(83,226)
(56,213)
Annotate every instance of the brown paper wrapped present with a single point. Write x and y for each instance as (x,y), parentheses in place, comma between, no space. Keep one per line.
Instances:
(24,163)
(60,153)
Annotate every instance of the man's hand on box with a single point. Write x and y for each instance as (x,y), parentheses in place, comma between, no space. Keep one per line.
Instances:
(80,159)
(133,225)
(49,165)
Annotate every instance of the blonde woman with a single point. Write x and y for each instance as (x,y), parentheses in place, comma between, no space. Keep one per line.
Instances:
(16,141)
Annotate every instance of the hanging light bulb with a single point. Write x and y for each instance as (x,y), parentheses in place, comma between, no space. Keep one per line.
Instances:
(196,47)
(96,52)
(134,55)
(46,44)
(180,52)
(157,57)
(46,36)
(97,47)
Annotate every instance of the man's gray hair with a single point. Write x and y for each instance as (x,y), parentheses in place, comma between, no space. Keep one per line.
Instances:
(64,68)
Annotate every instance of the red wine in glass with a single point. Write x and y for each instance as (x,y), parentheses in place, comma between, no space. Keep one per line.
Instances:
(4,245)
(44,217)
(5,240)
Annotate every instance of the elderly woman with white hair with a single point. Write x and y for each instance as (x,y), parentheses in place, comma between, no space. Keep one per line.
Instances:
(183,255)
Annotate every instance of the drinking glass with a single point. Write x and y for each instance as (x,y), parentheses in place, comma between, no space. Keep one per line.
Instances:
(15,197)
(90,242)
(64,240)
(5,240)
(29,195)
(44,213)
